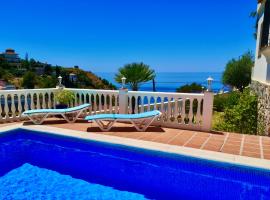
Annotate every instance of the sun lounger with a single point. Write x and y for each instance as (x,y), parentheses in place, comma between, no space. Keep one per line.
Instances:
(69,114)
(140,121)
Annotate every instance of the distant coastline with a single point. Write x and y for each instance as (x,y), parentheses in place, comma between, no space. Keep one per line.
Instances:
(169,81)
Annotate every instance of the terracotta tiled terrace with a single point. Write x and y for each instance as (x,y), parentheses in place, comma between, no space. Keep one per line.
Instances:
(231,143)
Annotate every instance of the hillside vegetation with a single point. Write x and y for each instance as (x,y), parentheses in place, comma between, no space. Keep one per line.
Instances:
(34,74)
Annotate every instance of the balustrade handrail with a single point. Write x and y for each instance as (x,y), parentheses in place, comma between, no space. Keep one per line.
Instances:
(92,90)
(166,93)
(27,90)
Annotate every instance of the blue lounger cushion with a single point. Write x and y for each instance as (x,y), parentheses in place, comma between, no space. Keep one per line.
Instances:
(124,116)
(52,111)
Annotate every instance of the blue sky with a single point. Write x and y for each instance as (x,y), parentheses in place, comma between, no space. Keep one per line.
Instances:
(103,35)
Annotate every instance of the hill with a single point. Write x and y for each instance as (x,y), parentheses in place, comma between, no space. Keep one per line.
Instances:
(35,74)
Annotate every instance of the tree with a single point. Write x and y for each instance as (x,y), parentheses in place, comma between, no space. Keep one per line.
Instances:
(238,72)
(47,82)
(48,70)
(192,88)
(136,74)
(29,80)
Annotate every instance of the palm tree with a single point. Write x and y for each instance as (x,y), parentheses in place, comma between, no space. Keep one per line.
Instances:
(136,74)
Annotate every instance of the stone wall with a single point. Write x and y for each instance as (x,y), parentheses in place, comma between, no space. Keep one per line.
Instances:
(263,92)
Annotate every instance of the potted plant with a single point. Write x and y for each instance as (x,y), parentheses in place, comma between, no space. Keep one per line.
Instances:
(64,98)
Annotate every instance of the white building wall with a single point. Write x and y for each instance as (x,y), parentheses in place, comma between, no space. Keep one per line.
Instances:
(261,69)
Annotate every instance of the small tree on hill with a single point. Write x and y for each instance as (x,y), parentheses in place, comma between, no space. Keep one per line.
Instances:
(190,88)
(238,72)
(29,80)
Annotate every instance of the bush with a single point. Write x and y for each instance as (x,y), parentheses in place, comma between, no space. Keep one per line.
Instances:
(241,117)
(190,88)
(29,80)
(47,82)
(65,97)
(227,100)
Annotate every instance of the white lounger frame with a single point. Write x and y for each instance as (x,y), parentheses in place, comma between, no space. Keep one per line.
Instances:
(38,118)
(141,124)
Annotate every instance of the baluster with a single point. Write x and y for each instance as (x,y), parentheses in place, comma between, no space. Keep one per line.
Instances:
(190,114)
(12,107)
(90,101)
(136,105)
(43,101)
(6,108)
(175,113)
(198,114)
(100,103)
(129,109)
(32,105)
(155,103)
(183,110)
(95,104)
(50,100)
(148,100)
(19,106)
(38,101)
(162,107)
(169,111)
(105,107)
(26,107)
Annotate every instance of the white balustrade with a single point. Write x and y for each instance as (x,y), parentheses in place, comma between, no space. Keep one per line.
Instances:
(102,101)
(14,102)
(179,110)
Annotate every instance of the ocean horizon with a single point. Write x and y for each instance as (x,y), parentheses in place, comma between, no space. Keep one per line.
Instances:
(170,81)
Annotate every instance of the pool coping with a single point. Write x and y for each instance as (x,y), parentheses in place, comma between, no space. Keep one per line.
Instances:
(186,151)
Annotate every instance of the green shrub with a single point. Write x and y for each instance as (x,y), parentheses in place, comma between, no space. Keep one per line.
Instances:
(226,100)
(47,82)
(65,97)
(29,80)
(241,117)
(190,88)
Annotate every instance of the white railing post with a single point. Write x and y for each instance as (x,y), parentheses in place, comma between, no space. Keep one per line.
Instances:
(123,100)
(207,111)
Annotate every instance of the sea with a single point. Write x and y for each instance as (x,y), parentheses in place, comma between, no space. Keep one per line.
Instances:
(170,81)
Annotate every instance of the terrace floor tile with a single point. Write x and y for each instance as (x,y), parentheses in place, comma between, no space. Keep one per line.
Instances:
(231,143)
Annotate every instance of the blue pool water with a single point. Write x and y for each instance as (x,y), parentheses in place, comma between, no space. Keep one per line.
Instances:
(36,163)
(31,182)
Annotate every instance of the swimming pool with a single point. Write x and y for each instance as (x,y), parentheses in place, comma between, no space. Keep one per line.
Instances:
(42,165)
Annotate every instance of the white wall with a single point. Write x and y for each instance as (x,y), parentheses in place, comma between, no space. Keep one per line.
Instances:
(261,68)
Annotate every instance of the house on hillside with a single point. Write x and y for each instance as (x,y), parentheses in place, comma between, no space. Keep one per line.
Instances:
(11,57)
(2,85)
(261,71)
(72,77)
